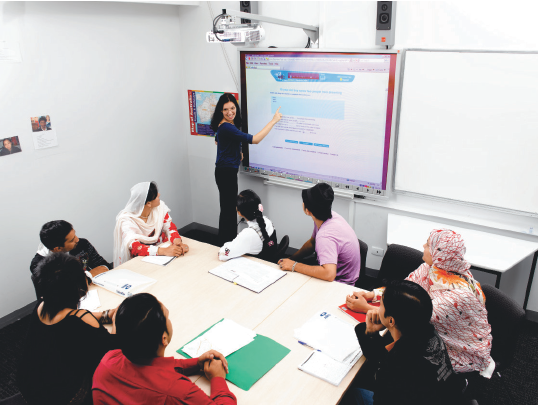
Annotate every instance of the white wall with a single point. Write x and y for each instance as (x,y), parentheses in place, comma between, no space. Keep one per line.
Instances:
(109,75)
(351,25)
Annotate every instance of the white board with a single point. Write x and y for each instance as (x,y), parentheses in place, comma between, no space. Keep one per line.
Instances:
(468,127)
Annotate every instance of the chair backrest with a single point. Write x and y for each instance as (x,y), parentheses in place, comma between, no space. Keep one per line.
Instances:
(282,248)
(399,261)
(364,252)
(506,317)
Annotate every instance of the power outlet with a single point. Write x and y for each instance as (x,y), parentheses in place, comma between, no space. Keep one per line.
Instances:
(378,251)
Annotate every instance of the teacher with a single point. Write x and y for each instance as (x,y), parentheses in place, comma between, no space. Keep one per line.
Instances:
(226,122)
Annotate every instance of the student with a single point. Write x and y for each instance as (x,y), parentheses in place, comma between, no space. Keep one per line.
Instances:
(334,241)
(63,345)
(60,236)
(144,227)
(259,238)
(415,367)
(43,124)
(226,122)
(9,148)
(139,373)
(459,312)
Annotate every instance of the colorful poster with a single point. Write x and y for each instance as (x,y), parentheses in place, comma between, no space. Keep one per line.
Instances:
(201,107)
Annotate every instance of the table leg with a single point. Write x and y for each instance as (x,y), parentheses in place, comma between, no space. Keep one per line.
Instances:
(498,281)
(529,283)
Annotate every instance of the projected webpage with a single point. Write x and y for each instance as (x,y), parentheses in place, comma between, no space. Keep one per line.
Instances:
(334,108)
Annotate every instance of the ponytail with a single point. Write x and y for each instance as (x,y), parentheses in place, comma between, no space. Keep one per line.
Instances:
(261,223)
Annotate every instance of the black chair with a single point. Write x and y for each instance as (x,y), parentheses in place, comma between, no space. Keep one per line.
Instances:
(506,318)
(364,280)
(399,261)
(282,248)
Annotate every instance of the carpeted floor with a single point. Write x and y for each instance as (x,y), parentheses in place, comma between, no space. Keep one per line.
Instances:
(518,384)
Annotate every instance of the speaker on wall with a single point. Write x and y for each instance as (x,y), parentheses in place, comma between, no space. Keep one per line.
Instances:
(248,7)
(385,23)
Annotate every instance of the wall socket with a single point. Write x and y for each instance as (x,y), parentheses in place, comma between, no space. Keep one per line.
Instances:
(378,251)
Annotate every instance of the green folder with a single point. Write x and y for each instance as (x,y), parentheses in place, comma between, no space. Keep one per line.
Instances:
(251,362)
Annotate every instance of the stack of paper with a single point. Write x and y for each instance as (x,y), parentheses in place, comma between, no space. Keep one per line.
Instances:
(249,274)
(123,282)
(329,334)
(158,259)
(90,302)
(225,337)
(324,367)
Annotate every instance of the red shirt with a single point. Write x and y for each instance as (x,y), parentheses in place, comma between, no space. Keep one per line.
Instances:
(118,381)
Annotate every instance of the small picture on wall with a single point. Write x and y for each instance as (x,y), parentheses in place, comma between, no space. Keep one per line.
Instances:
(41,123)
(10,145)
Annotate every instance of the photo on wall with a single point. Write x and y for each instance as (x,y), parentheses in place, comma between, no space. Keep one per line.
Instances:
(10,145)
(44,134)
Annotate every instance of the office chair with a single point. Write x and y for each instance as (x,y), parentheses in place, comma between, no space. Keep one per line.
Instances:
(282,248)
(399,261)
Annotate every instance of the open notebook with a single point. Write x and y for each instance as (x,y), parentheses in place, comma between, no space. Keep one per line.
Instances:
(123,282)
(249,274)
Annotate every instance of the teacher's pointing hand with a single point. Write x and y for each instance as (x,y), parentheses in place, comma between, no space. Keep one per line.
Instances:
(277,116)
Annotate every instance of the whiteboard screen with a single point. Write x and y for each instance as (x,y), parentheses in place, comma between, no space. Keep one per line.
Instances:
(469,128)
(337,114)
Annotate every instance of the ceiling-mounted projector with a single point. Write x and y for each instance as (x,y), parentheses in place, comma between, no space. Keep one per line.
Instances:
(225,29)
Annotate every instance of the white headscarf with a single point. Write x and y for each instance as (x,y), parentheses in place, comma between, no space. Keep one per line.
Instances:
(130,227)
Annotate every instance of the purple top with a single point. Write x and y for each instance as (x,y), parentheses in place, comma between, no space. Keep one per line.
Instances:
(336,243)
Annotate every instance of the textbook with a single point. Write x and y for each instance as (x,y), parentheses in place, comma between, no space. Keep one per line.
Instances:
(360,317)
(123,282)
(248,274)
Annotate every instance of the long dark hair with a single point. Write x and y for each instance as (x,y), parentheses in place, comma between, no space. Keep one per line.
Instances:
(61,283)
(248,203)
(218,116)
(153,192)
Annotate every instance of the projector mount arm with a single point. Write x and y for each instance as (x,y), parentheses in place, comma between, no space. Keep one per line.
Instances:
(310,30)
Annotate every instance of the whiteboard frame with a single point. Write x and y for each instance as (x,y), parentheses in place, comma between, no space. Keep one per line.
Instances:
(397,134)
(358,195)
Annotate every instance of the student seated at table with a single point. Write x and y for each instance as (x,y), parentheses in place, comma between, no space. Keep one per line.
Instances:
(459,312)
(60,236)
(333,240)
(63,345)
(259,238)
(139,373)
(415,367)
(144,227)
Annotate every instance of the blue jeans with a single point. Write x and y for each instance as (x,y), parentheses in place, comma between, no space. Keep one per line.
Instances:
(363,396)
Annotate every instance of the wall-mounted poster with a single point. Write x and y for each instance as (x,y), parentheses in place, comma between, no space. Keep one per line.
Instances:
(201,107)
(43,133)
(10,145)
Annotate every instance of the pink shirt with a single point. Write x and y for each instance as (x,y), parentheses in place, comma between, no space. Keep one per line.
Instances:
(336,243)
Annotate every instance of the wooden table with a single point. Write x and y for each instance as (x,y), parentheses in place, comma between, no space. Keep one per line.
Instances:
(487,252)
(197,299)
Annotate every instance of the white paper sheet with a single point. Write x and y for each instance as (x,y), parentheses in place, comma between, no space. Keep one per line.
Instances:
(225,337)
(324,367)
(158,259)
(329,334)
(247,273)
(90,302)
(45,139)
(10,52)
(123,281)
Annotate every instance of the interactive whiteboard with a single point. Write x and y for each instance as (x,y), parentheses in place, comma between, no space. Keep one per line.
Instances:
(337,115)
(468,127)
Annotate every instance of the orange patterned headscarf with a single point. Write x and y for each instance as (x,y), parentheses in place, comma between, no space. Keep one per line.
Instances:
(450,270)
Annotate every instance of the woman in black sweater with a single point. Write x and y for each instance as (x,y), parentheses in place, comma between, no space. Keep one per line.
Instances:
(415,367)
(64,345)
